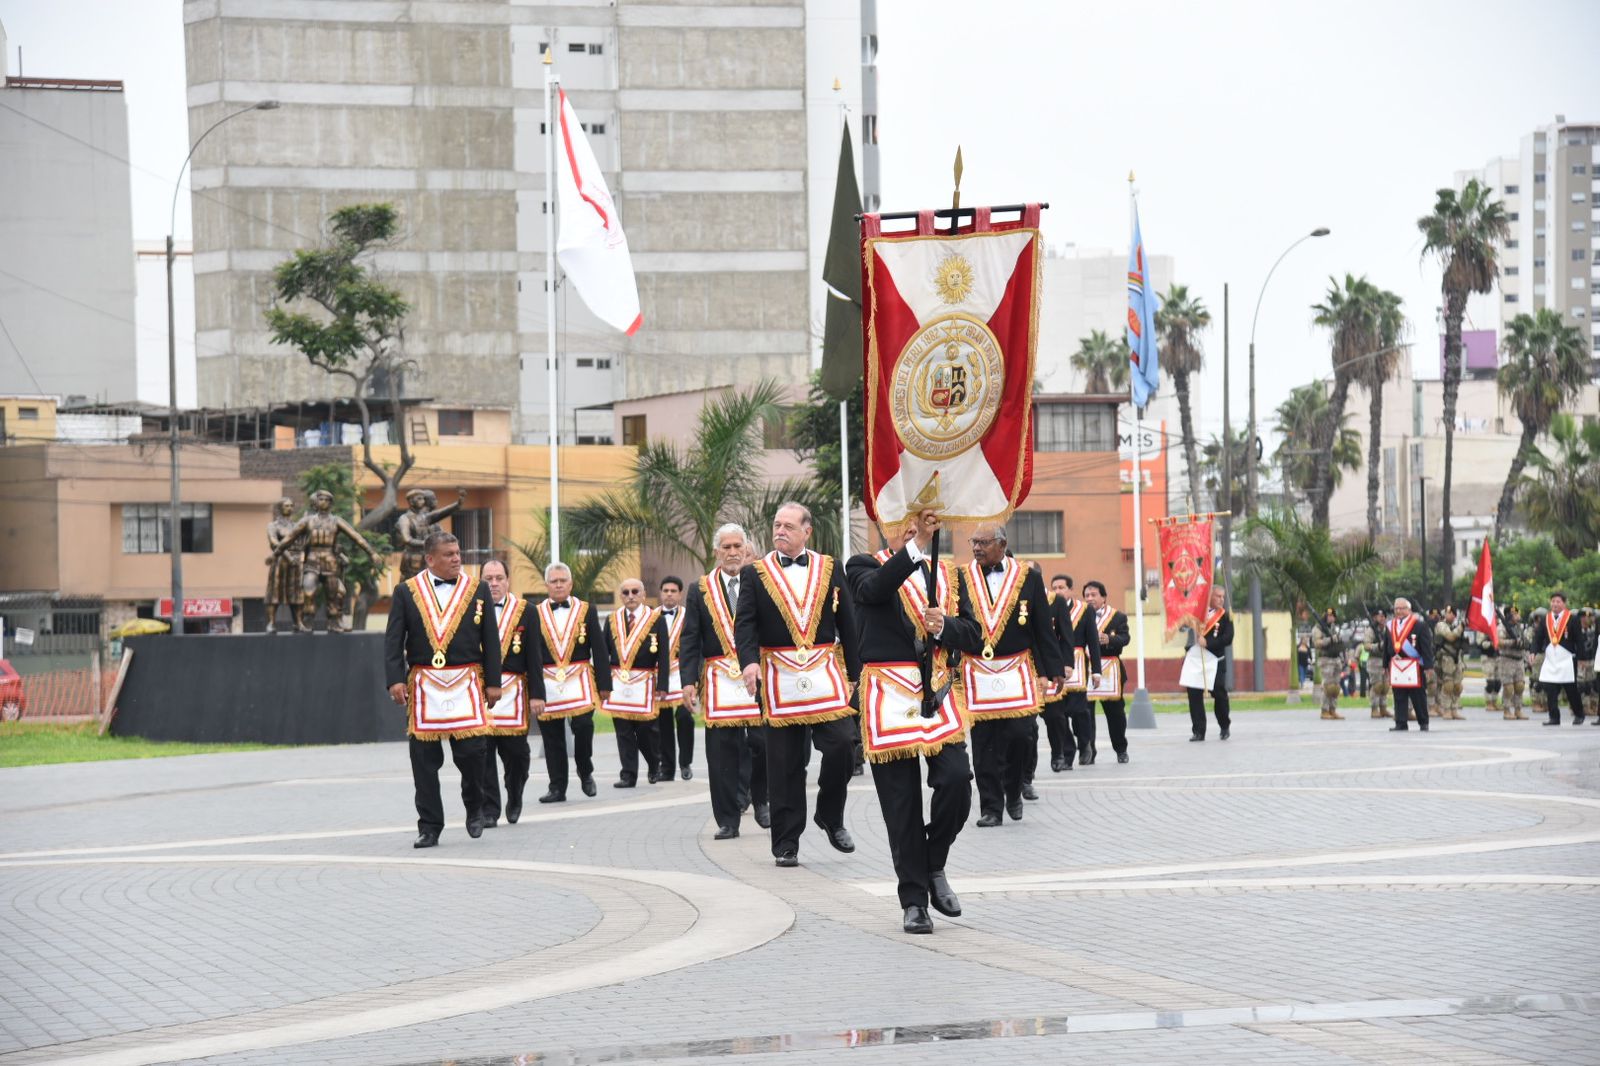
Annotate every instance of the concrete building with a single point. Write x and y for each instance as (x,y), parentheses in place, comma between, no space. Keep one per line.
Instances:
(150,316)
(708,120)
(66,239)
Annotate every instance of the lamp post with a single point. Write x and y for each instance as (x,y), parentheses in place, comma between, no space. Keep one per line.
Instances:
(175,521)
(1257,637)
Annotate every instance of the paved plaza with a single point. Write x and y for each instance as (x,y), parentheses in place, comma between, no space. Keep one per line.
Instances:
(1307,892)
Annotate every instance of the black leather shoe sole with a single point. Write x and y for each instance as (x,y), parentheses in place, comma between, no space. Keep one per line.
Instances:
(426,840)
(787,859)
(589,787)
(624,784)
(988,821)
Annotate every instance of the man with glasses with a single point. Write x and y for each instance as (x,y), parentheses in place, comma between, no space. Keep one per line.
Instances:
(521,696)
(637,645)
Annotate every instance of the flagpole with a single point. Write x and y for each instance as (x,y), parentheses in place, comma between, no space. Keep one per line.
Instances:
(551,120)
(1141,715)
(844,419)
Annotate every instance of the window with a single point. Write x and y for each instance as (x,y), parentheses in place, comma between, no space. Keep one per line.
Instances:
(586,361)
(146,528)
(1513,216)
(474,528)
(597,49)
(1538,179)
(1594,286)
(1579,168)
(1511,190)
(1511,297)
(455,423)
(633,431)
(544,46)
(597,127)
(1512,243)
(1538,263)
(1579,226)
(1580,254)
(775,432)
(577,47)
(602,364)
(1580,312)
(1578,198)
(1076,427)
(27,414)
(1512,271)
(1035,532)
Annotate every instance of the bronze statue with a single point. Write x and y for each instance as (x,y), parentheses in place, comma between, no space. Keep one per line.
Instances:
(283,571)
(324,563)
(413,527)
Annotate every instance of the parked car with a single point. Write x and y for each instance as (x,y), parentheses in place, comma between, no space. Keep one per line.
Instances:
(13,697)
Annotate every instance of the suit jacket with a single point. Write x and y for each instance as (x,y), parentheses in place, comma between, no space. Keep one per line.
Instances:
(406,644)
(593,649)
(1219,639)
(699,641)
(759,622)
(529,661)
(1083,635)
(887,634)
(1421,636)
(1038,636)
(659,660)
(1569,639)
(1061,625)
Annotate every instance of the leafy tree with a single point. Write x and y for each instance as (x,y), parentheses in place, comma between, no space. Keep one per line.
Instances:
(1561,487)
(1546,364)
(592,554)
(1526,571)
(1104,362)
(329,304)
(1179,322)
(1465,231)
(814,431)
(1303,562)
(1301,418)
(362,575)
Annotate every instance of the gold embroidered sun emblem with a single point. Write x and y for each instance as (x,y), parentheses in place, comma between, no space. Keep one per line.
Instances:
(953,279)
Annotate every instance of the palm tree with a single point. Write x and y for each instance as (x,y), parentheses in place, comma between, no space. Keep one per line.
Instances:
(1179,323)
(1229,498)
(1303,562)
(1104,362)
(1373,372)
(677,496)
(1353,314)
(1465,231)
(592,559)
(1301,418)
(1546,365)
(1561,491)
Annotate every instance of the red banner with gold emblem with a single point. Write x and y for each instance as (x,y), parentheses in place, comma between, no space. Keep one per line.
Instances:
(1186,570)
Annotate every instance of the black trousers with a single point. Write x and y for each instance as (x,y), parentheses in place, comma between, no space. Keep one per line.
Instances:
(1116,712)
(920,848)
(427,756)
(1552,699)
(999,755)
(517,756)
(1058,726)
(736,770)
(554,733)
(1417,698)
(1197,706)
(1030,759)
(635,737)
(788,751)
(753,767)
(1080,715)
(676,730)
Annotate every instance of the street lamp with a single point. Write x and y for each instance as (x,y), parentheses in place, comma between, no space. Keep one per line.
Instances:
(1257,637)
(175,524)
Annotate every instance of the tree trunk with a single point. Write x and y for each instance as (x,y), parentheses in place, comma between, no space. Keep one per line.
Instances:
(1191,457)
(1374,455)
(1322,459)
(1455,306)
(1508,495)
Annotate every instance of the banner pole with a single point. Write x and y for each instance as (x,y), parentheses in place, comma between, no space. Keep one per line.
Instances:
(844,479)
(551,121)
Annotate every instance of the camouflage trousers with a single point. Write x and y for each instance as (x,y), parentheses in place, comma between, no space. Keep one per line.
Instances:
(1586,685)
(1328,672)
(1378,687)
(1448,673)
(1536,690)
(1513,681)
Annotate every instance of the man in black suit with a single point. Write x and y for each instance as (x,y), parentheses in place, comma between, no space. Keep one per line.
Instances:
(442,662)
(1216,636)
(1408,656)
(1559,631)
(1002,681)
(637,645)
(736,752)
(521,696)
(897,620)
(577,676)
(676,721)
(1111,635)
(1073,616)
(797,650)
(1054,711)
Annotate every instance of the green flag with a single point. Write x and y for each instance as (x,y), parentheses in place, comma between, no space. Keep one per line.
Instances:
(841,272)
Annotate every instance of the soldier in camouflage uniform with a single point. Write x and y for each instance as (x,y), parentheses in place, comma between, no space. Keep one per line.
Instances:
(1431,677)
(1377,675)
(1587,646)
(1329,647)
(1448,644)
(1535,663)
(1509,661)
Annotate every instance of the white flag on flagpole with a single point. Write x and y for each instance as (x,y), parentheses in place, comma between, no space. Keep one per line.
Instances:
(591,246)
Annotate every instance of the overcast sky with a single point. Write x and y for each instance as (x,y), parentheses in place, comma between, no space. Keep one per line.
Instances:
(1247,124)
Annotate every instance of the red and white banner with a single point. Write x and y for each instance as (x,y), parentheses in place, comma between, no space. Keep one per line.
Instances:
(591,245)
(949,328)
(1186,571)
(1480,611)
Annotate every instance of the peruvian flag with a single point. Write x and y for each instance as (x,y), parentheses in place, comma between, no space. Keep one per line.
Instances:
(591,246)
(950,323)
(1480,612)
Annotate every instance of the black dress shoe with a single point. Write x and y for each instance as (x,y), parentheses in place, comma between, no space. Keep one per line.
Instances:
(1058,764)
(1424,727)
(687,772)
(838,836)
(513,811)
(859,769)
(1086,758)
(426,840)
(474,829)
(552,796)
(489,823)
(625,783)
(1197,738)
(942,896)
(1015,810)
(787,859)
(1550,723)
(589,787)
(655,778)
(917,921)
(988,821)
(726,832)
(1028,792)
(1399,729)
(1122,756)
(1224,732)
(764,815)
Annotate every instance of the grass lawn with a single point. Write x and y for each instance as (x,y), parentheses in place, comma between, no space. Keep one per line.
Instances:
(41,743)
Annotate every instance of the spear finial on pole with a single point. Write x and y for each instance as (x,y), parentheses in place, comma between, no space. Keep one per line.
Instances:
(955,200)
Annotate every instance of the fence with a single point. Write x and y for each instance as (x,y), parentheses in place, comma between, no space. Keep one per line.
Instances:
(57,688)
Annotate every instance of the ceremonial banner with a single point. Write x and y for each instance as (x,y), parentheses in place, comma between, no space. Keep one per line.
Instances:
(1480,611)
(949,331)
(1186,571)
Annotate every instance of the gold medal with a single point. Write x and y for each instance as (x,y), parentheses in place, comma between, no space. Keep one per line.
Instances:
(1022,615)
(988,651)
(654,647)
(477,613)
(561,675)
(583,633)
(438,660)
(516,644)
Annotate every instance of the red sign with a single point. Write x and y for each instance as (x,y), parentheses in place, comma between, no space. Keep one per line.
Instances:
(204,607)
(1186,571)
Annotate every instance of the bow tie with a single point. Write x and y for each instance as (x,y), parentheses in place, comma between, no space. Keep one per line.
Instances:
(559,605)
(997,568)
(439,581)
(499,605)
(798,560)
(668,612)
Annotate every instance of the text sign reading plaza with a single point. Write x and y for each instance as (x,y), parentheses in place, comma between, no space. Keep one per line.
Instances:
(203,607)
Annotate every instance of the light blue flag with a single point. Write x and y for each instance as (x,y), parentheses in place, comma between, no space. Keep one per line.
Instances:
(1145,372)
